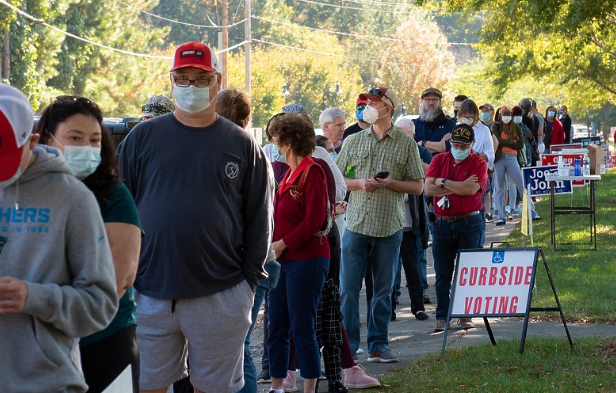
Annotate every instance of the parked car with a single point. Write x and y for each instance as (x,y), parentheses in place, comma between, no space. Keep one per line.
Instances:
(581,131)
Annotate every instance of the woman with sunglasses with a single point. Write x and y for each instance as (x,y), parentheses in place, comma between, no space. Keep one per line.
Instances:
(74,126)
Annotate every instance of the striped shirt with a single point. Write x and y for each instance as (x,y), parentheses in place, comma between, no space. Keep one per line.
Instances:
(379,213)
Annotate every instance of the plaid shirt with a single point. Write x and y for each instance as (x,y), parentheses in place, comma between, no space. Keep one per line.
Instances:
(379,213)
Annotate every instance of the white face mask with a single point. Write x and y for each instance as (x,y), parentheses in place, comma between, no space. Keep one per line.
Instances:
(506,119)
(371,115)
(192,99)
(467,120)
(83,160)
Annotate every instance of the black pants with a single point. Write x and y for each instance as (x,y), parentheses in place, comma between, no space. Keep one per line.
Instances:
(104,361)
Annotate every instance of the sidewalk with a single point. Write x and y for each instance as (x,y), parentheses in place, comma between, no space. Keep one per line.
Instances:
(411,339)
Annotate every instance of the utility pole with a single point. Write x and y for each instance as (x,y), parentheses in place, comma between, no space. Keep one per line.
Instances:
(225,41)
(247,46)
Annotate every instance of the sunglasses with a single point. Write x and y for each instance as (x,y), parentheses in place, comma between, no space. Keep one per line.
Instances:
(156,108)
(377,92)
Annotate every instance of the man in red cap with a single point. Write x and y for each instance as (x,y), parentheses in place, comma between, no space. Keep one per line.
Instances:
(203,188)
(57,280)
(359,113)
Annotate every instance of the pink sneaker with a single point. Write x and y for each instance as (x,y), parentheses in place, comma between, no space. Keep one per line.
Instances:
(290,382)
(356,378)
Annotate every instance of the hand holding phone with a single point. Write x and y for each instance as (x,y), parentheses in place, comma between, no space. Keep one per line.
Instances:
(381,175)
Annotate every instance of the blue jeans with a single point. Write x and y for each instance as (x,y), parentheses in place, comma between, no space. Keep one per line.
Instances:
(482,213)
(265,285)
(422,263)
(508,165)
(293,309)
(448,238)
(385,251)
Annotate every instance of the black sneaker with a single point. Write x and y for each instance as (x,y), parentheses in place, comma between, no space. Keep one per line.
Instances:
(489,217)
(421,316)
(336,387)
(500,222)
(426,299)
(264,377)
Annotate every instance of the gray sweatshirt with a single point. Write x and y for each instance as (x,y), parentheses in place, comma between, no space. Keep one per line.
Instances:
(56,242)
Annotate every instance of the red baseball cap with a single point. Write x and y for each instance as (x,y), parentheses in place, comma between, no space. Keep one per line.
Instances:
(195,54)
(16,122)
(362,100)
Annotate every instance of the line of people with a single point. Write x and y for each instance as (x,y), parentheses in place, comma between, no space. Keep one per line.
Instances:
(157,260)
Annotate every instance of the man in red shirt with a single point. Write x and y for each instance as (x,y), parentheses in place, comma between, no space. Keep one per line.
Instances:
(456,180)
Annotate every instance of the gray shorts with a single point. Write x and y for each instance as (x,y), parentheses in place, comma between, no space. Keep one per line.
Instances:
(210,330)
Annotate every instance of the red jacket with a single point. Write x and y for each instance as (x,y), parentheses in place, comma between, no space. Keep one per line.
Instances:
(296,221)
(558,133)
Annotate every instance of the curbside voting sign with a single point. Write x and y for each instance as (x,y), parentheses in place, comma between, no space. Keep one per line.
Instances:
(535,177)
(495,282)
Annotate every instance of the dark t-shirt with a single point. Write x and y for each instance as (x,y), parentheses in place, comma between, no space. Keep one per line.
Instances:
(204,196)
(121,208)
(350,130)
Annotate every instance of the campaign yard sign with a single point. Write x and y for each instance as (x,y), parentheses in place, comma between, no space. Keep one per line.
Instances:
(568,160)
(588,140)
(535,177)
(556,148)
(493,283)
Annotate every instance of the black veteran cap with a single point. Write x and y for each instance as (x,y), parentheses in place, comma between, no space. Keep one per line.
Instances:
(463,133)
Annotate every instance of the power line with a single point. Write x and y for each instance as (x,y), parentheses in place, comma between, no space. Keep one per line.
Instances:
(42,22)
(177,21)
(352,8)
(351,34)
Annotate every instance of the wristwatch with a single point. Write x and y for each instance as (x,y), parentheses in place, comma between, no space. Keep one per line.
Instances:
(443,180)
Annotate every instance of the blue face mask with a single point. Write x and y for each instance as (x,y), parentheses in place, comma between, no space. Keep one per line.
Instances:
(359,113)
(275,153)
(459,154)
(485,116)
(517,119)
(551,113)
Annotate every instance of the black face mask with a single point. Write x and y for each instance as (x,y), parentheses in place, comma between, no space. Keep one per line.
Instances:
(455,113)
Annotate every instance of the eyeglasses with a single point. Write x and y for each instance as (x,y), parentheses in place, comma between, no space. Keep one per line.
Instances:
(201,81)
(66,99)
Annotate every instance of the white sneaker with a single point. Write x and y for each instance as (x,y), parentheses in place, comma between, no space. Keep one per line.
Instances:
(359,351)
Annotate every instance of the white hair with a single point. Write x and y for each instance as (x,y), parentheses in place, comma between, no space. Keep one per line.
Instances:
(429,115)
(329,115)
(404,121)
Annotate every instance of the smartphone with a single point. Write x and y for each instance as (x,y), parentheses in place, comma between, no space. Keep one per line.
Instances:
(381,175)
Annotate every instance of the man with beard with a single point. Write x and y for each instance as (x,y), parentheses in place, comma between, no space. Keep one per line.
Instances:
(433,128)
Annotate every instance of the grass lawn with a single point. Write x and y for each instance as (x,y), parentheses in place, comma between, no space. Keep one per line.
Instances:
(547,365)
(585,279)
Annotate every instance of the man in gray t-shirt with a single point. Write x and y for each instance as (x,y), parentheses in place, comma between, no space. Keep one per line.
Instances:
(203,188)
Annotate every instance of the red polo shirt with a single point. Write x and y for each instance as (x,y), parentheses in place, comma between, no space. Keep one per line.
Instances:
(443,165)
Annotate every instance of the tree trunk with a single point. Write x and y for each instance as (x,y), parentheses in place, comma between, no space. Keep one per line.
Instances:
(6,62)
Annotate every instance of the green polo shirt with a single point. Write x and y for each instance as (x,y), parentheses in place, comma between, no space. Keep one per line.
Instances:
(379,213)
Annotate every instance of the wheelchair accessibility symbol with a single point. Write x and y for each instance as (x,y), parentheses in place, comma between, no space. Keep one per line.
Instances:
(498,257)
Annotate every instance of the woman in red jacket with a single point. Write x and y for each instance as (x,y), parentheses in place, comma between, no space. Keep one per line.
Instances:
(300,210)
(553,132)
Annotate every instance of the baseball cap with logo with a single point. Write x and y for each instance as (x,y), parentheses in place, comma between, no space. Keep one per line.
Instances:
(382,94)
(195,54)
(463,133)
(16,122)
